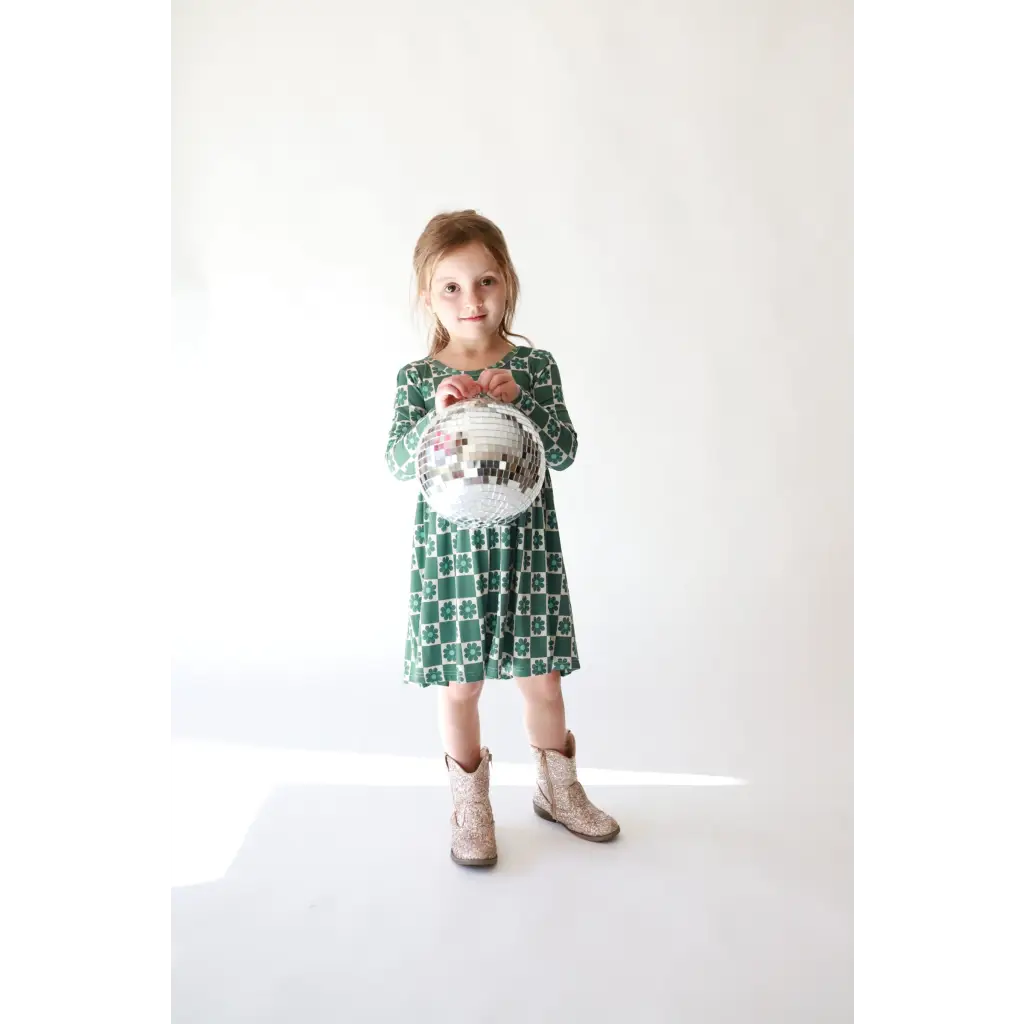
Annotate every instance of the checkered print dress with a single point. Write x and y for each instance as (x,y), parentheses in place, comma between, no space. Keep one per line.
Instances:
(487,603)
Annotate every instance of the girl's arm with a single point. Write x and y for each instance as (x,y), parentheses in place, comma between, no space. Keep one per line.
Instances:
(407,427)
(545,405)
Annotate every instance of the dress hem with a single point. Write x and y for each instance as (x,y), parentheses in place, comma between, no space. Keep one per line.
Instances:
(574,666)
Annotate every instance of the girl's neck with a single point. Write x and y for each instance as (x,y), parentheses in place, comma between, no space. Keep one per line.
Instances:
(460,356)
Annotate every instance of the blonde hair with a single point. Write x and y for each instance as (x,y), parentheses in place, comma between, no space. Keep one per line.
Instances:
(450,231)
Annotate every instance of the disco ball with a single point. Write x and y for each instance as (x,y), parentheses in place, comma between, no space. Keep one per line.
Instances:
(480,463)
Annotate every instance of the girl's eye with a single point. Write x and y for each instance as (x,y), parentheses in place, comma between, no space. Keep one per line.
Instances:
(487,280)
(449,288)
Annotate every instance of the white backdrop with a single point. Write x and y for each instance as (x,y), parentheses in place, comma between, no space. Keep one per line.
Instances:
(674,183)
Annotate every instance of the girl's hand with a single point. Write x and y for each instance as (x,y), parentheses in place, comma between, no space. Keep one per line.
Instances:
(500,384)
(455,389)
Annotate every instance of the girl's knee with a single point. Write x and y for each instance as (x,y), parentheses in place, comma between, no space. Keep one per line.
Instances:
(462,693)
(546,687)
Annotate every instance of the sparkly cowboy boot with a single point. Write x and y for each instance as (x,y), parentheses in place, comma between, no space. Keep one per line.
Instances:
(473,842)
(560,797)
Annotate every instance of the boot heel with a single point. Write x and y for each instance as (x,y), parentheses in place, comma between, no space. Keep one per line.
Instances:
(541,813)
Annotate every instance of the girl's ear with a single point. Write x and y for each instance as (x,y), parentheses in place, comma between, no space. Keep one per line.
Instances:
(425,299)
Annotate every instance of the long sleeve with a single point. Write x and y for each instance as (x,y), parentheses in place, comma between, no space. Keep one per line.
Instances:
(407,427)
(545,405)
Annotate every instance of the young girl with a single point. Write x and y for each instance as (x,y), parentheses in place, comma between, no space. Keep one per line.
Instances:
(488,603)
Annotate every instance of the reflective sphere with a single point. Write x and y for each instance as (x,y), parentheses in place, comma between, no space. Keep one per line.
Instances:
(480,463)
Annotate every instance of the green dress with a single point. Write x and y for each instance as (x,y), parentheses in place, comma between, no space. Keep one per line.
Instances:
(487,603)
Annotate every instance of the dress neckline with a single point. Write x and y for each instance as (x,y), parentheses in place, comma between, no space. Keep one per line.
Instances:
(508,355)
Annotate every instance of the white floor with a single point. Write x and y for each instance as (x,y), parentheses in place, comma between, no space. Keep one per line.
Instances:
(335,901)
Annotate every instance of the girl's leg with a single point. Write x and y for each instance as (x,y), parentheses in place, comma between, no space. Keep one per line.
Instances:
(459,719)
(559,796)
(469,775)
(544,711)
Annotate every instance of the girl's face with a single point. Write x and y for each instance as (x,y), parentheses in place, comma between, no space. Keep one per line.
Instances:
(467,294)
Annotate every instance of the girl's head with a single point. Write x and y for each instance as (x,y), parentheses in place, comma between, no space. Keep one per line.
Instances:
(465,279)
